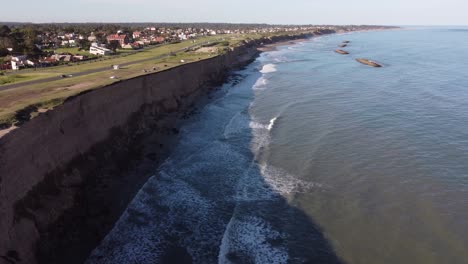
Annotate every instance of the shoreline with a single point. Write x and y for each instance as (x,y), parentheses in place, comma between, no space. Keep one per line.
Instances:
(272,47)
(101,147)
(98,154)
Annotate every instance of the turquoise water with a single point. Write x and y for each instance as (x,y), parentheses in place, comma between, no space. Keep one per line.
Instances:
(307,156)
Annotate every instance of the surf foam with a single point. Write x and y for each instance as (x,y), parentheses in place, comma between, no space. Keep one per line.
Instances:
(268,68)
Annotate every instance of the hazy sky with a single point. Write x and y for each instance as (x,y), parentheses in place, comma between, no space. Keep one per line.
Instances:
(389,12)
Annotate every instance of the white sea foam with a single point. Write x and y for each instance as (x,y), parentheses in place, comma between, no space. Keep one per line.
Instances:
(261,84)
(257,125)
(285,183)
(250,235)
(272,123)
(268,68)
(280,181)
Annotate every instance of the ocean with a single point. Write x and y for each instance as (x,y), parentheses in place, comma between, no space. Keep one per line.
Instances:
(307,156)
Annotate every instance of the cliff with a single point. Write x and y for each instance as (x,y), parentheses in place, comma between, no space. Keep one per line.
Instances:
(63,180)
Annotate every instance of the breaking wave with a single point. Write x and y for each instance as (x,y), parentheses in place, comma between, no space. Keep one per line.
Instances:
(268,68)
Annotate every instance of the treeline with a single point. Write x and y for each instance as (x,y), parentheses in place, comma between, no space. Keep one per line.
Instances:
(21,39)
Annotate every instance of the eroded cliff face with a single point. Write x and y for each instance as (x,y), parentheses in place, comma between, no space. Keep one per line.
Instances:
(61,180)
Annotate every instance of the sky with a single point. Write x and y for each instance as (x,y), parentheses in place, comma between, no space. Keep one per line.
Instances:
(378,12)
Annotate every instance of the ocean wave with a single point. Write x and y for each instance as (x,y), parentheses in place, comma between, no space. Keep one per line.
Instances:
(268,68)
(258,125)
(285,183)
(272,123)
(248,239)
(260,84)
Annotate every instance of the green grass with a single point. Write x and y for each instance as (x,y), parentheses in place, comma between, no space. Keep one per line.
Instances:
(25,102)
(73,51)
(118,59)
(27,76)
(48,95)
(9,79)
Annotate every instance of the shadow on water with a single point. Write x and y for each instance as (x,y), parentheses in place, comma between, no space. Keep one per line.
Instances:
(214,201)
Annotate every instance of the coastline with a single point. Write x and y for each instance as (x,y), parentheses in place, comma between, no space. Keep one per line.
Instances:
(273,46)
(64,187)
(93,181)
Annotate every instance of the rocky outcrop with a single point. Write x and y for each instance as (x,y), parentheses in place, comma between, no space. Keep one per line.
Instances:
(61,180)
(369,63)
(341,52)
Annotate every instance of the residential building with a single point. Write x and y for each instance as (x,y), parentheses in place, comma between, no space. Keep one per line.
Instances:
(99,51)
(121,38)
(136,34)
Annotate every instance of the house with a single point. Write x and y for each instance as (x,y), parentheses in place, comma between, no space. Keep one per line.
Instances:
(16,65)
(19,58)
(79,57)
(62,57)
(92,37)
(18,62)
(99,51)
(159,39)
(121,38)
(136,34)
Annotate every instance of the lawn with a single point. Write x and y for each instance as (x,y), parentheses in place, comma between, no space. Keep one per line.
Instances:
(37,97)
(27,76)
(101,62)
(73,51)
(48,95)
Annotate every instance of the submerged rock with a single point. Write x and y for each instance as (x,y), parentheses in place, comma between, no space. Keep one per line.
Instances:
(341,52)
(369,63)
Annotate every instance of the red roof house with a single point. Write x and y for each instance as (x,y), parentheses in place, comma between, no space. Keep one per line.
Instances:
(121,38)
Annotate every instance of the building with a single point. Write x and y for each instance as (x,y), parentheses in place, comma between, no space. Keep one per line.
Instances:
(92,37)
(99,51)
(136,34)
(159,39)
(121,38)
(19,62)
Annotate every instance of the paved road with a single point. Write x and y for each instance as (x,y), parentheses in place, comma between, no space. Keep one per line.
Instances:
(101,69)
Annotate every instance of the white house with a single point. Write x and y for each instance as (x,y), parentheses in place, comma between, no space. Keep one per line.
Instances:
(99,51)
(18,62)
(92,37)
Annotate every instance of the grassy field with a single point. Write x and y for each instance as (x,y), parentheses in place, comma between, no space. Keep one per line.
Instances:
(73,51)
(18,104)
(51,94)
(101,62)
(27,76)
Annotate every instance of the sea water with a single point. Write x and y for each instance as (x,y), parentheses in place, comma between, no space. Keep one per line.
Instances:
(308,156)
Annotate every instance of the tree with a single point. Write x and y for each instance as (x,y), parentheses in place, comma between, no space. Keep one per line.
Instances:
(30,40)
(4,31)
(3,52)
(84,44)
(113,45)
